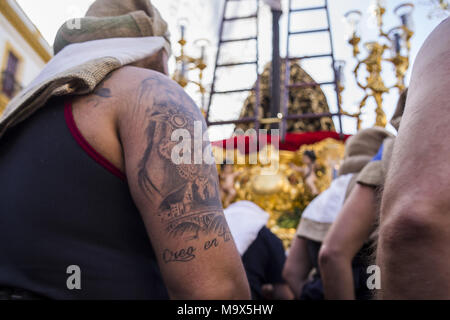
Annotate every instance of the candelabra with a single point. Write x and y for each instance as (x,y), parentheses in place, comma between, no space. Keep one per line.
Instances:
(340,80)
(186,63)
(397,40)
(441,9)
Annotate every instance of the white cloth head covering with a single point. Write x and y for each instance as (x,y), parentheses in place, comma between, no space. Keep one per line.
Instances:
(323,210)
(326,206)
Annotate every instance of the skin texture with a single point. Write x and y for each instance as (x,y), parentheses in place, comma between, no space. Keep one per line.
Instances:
(278,291)
(345,238)
(413,251)
(297,266)
(130,119)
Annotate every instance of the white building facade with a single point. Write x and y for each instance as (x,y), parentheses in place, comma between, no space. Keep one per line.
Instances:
(23,51)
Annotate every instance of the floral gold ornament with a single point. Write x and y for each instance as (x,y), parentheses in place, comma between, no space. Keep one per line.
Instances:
(397,40)
(280,190)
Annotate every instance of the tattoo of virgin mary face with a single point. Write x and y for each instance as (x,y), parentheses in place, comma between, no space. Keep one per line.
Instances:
(189,203)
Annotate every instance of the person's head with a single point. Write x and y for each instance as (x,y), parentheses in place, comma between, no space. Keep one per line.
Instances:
(309,157)
(106,19)
(227,168)
(361,148)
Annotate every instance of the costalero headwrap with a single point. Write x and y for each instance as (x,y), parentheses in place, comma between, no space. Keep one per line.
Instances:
(114,33)
(107,19)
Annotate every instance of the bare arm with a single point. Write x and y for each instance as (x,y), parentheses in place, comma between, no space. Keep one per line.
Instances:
(179,202)
(297,266)
(345,238)
(413,251)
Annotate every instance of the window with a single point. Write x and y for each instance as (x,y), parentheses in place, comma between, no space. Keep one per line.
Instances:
(9,75)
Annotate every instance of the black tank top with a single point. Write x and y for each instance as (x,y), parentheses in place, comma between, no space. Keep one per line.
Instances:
(62,204)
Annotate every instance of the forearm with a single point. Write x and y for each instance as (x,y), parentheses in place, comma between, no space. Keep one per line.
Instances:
(282,291)
(295,283)
(337,278)
(297,266)
(345,238)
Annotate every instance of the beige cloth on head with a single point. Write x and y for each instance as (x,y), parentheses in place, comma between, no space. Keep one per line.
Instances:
(115,19)
(87,55)
(361,148)
(374,173)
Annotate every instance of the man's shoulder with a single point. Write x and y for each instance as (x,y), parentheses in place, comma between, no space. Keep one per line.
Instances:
(128,79)
(144,87)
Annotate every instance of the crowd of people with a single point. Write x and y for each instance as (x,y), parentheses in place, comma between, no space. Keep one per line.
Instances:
(93,207)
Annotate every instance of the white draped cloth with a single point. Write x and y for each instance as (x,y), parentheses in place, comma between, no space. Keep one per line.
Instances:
(319,215)
(325,207)
(245,220)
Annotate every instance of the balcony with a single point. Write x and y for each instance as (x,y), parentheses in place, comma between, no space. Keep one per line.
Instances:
(9,85)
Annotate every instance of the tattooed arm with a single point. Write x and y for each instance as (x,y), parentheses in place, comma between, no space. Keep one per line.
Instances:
(177,192)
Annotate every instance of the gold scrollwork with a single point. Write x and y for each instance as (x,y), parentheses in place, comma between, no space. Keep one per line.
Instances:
(276,187)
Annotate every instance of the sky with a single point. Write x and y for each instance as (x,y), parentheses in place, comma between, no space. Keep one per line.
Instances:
(203,20)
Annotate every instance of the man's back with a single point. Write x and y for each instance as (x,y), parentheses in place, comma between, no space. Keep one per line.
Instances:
(126,126)
(62,205)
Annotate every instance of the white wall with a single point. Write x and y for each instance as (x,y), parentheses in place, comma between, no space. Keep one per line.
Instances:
(32,63)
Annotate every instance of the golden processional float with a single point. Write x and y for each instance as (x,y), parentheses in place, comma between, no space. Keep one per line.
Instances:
(283,172)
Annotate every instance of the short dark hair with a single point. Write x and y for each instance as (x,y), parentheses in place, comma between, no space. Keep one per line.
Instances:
(310,154)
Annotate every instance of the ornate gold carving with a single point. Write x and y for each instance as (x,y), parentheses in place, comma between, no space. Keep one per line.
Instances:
(398,40)
(278,189)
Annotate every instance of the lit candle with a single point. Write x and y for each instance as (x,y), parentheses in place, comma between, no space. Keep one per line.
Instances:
(397,42)
(202,55)
(353,18)
(182,31)
(183,69)
(404,19)
(340,71)
(404,12)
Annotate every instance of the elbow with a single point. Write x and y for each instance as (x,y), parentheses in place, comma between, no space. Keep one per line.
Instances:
(410,225)
(224,290)
(236,290)
(229,290)
(329,256)
(409,240)
(332,258)
(409,216)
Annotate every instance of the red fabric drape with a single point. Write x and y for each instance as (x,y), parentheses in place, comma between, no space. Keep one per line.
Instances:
(292,142)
